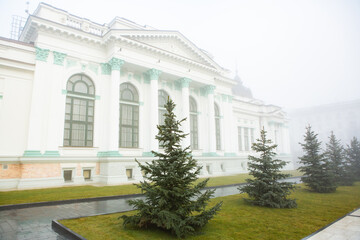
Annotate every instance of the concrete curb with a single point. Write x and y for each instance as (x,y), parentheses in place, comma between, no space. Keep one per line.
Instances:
(314,233)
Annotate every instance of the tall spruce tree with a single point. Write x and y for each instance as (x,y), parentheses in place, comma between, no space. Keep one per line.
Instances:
(335,155)
(352,156)
(318,175)
(265,189)
(172,201)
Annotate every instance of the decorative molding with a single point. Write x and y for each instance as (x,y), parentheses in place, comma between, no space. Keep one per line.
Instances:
(94,67)
(210,154)
(224,97)
(63,91)
(70,63)
(147,154)
(141,103)
(230,155)
(116,64)
(137,77)
(51,154)
(105,68)
(177,85)
(146,78)
(97,97)
(1,96)
(154,74)
(109,154)
(42,54)
(32,153)
(59,58)
(185,82)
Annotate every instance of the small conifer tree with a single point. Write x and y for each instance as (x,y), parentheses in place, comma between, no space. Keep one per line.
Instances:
(352,156)
(265,189)
(318,175)
(335,155)
(172,201)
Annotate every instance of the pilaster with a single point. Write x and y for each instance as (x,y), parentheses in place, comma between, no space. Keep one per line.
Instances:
(154,108)
(113,105)
(209,91)
(185,82)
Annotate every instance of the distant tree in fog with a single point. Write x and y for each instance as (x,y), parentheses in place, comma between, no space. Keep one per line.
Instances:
(318,175)
(335,155)
(353,159)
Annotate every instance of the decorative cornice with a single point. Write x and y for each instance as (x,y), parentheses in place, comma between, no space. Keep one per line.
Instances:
(105,68)
(42,54)
(154,74)
(116,64)
(185,82)
(59,58)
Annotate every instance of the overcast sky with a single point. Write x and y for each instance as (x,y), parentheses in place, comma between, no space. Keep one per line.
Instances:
(291,53)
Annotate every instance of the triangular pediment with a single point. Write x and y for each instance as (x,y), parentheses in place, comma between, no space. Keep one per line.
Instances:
(174,43)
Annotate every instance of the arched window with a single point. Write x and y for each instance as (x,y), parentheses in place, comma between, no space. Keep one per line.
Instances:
(217,127)
(194,134)
(79,112)
(162,99)
(129,116)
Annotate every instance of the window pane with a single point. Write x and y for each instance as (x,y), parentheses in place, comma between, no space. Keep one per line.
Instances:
(80,87)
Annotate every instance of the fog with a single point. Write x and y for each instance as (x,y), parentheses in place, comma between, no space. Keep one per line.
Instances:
(290,53)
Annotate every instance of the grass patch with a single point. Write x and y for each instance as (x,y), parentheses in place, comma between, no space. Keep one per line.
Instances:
(238,220)
(65,193)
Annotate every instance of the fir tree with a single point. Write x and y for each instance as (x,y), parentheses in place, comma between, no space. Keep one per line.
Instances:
(318,175)
(172,201)
(335,155)
(265,189)
(352,156)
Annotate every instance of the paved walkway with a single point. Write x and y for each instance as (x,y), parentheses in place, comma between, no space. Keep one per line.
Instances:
(347,228)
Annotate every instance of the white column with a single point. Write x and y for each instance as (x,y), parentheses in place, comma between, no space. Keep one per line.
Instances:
(212,134)
(114,112)
(36,116)
(154,108)
(228,128)
(185,110)
(242,130)
(55,116)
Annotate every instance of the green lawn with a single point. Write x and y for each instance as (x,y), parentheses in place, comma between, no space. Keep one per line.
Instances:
(238,220)
(64,193)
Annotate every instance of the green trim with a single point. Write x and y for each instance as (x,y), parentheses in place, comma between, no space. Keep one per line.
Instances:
(51,154)
(105,68)
(195,91)
(63,91)
(146,78)
(177,85)
(147,154)
(224,97)
(230,98)
(137,77)
(97,97)
(154,74)
(209,89)
(141,103)
(59,58)
(231,154)
(116,63)
(1,97)
(109,154)
(130,76)
(210,154)
(94,68)
(32,153)
(42,54)
(70,63)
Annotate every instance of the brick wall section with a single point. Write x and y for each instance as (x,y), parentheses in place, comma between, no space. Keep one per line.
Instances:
(39,170)
(13,171)
(97,169)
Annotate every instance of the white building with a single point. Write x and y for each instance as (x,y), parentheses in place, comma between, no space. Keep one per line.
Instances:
(79,101)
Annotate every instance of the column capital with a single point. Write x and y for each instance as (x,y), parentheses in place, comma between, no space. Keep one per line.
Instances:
(42,54)
(185,82)
(154,74)
(116,63)
(59,58)
(209,89)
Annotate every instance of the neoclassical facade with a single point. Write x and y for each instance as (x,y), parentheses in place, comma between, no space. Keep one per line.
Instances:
(79,101)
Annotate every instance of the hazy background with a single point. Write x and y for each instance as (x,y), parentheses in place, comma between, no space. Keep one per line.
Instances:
(290,53)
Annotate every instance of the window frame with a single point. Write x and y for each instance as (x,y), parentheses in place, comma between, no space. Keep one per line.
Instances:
(194,124)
